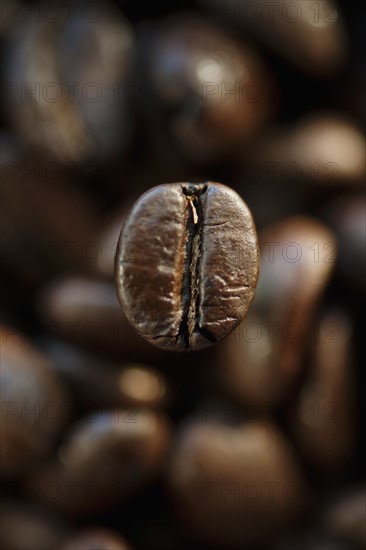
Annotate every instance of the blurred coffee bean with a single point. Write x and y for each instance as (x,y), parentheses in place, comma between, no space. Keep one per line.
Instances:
(86,312)
(263,357)
(24,526)
(187,264)
(346,517)
(99,383)
(310,35)
(34,405)
(107,457)
(209,92)
(301,164)
(324,418)
(320,149)
(47,224)
(228,482)
(346,215)
(68,76)
(96,539)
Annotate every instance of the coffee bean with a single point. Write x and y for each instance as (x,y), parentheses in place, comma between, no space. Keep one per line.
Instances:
(78,111)
(323,421)
(314,41)
(34,404)
(227,482)
(187,264)
(107,457)
(86,312)
(320,149)
(208,91)
(263,357)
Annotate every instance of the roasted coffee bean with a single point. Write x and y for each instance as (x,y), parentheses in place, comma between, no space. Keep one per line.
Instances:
(229,481)
(311,36)
(34,405)
(96,539)
(209,91)
(263,357)
(324,417)
(68,95)
(105,458)
(321,149)
(86,312)
(187,264)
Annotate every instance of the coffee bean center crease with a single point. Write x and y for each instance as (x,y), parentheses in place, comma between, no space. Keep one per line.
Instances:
(191,276)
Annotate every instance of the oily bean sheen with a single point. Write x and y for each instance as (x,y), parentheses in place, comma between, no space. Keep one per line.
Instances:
(187,264)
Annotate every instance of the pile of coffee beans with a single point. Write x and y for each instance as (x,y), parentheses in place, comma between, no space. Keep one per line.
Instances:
(183,275)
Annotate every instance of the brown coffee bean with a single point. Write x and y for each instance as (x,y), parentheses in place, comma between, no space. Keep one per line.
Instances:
(331,148)
(68,96)
(96,539)
(25,526)
(324,417)
(228,482)
(209,91)
(86,312)
(187,264)
(263,357)
(320,149)
(108,456)
(35,406)
(311,36)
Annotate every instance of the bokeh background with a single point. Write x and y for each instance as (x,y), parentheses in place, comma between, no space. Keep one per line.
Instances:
(107,442)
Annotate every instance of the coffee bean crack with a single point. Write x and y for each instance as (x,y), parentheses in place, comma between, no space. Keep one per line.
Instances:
(191,274)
